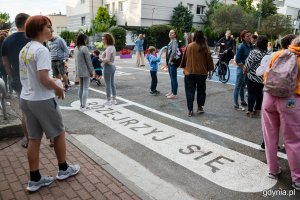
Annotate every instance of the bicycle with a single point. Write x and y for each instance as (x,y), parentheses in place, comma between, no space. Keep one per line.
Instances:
(221,70)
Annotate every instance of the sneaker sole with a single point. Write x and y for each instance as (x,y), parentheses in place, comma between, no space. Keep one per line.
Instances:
(37,188)
(67,176)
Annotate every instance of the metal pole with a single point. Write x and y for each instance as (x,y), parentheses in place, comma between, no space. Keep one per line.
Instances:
(152,14)
(93,19)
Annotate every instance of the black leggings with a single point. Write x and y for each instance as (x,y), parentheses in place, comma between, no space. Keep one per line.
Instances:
(255,95)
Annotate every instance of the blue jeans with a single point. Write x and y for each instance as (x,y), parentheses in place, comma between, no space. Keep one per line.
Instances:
(239,86)
(173,76)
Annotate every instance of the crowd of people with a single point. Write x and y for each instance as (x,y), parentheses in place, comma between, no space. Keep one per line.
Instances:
(35,68)
(279,113)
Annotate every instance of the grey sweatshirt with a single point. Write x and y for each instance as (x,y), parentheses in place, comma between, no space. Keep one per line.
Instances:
(58,49)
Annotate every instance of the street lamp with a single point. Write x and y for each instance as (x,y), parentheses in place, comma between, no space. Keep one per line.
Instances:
(153,9)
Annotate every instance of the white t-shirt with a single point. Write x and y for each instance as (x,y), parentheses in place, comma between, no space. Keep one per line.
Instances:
(33,58)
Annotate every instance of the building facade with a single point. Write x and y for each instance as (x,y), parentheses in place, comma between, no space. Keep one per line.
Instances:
(59,23)
(290,8)
(134,13)
(144,13)
(80,13)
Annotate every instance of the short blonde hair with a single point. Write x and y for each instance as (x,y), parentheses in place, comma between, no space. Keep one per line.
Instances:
(151,49)
(296,41)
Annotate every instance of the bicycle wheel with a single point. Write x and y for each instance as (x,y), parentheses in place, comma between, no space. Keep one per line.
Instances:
(225,75)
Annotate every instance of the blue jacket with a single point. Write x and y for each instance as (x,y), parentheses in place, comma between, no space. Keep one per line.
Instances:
(139,45)
(153,61)
(243,52)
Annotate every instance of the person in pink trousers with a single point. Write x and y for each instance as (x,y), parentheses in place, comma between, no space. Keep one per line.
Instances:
(283,114)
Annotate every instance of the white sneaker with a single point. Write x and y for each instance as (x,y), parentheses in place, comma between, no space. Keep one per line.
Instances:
(114,102)
(71,171)
(296,185)
(172,96)
(107,103)
(275,176)
(168,94)
(44,181)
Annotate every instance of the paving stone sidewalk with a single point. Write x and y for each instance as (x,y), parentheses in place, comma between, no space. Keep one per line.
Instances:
(93,182)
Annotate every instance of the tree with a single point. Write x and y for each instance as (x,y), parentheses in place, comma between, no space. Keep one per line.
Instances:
(68,36)
(276,25)
(267,8)
(232,17)
(103,21)
(119,34)
(4,21)
(159,35)
(182,20)
(211,6)
(207,21)
(246,5)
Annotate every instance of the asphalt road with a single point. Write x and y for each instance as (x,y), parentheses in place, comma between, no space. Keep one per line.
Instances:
(151,144)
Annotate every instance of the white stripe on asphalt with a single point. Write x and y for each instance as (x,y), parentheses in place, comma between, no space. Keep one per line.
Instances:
(210,130)
(151,184)
(222,166)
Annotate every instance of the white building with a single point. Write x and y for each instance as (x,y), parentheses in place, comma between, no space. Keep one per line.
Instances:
(59,22)
(134,13)
(144,13)
(290,8)
(81,12)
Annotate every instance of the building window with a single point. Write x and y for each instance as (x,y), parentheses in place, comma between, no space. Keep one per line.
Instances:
(113,7)
(82,21)
(120,6)
(82,1)
(200,10)
(108,7)
(190,7)
(298,17)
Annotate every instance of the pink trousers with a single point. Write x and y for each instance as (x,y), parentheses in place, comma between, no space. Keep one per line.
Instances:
(282,113)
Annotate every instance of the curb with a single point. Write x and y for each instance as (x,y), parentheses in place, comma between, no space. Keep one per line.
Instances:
(11,127)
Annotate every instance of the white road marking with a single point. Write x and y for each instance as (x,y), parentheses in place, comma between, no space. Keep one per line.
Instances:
(133,171)
(119,73)
(222,166)
(210,130)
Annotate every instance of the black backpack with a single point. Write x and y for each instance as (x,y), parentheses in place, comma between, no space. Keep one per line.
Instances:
(177,57)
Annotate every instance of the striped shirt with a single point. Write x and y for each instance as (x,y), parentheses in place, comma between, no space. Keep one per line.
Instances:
(252,63)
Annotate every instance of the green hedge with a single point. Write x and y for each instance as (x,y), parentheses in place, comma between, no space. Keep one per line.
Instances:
(159,35)
(120,36)
(68,36)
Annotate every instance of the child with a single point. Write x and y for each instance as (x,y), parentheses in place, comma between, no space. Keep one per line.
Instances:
(97,66)
(153,61)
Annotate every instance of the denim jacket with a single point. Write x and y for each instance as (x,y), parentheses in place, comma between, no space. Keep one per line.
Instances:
(139,45)
(243,52)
